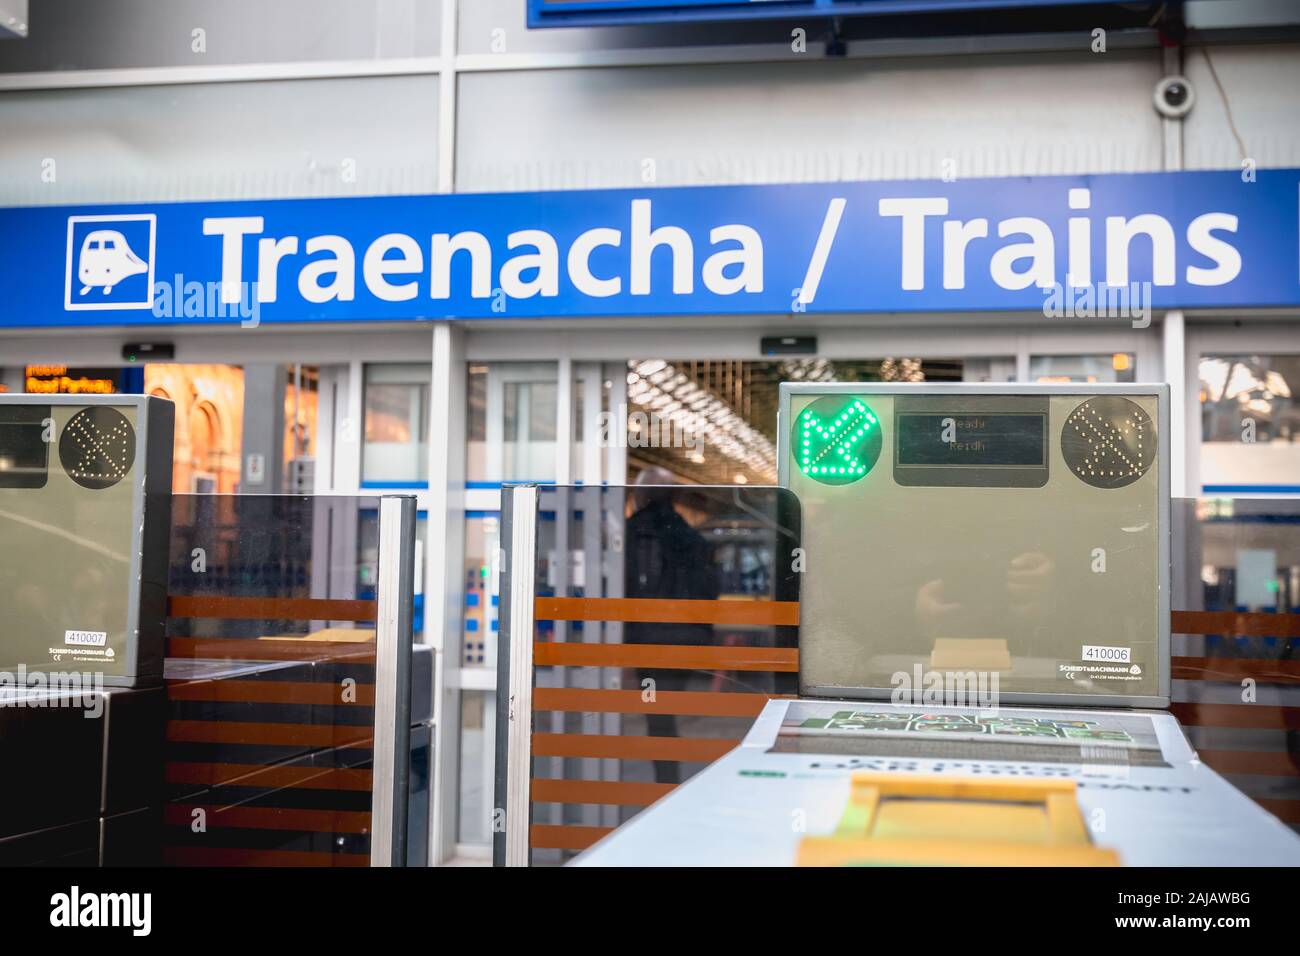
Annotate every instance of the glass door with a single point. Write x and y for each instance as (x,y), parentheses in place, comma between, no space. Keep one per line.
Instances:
(521,421)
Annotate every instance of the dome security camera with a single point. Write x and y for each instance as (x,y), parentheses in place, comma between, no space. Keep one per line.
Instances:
(1174,97)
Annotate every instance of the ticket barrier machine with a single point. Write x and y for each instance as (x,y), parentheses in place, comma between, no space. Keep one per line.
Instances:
(85,514)
(85,537)
(85,522)
(984,662)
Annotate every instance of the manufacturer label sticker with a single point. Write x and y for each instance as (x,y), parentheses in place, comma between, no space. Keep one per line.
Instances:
(85,638)
(1114,655)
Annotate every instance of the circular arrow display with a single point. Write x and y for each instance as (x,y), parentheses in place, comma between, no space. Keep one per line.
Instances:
(1108,442)
(97,447)
(836,439)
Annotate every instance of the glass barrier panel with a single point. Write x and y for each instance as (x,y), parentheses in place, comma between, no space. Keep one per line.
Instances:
(270,677)
(1236,642)
(666,617)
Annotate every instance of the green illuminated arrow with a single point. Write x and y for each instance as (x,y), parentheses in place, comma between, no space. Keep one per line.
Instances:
(836,440)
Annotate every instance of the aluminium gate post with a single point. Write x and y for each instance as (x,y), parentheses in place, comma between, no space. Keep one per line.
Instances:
(513,768)
(393,639)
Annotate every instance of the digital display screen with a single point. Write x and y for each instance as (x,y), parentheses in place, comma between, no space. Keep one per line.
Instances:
(24,451)
(972,438)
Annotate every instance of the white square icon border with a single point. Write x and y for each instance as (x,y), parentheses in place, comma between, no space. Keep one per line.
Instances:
(68,304)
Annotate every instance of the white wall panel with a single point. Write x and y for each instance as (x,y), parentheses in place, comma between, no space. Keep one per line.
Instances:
(220,141)
(115,34)
(813,120)
(1262,89)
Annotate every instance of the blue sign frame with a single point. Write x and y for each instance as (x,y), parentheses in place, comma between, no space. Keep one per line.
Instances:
(574,13)
(1067,247)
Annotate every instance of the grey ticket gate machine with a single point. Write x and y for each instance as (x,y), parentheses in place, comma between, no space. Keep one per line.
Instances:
(85,511)
(85,517)
(1018,530)
(984,649)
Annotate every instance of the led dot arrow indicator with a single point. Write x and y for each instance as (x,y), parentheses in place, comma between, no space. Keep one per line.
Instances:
(836,440)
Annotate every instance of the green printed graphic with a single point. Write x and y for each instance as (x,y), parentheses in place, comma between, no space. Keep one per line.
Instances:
(921,723)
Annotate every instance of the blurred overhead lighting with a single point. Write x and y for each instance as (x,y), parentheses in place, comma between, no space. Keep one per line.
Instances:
(667,391)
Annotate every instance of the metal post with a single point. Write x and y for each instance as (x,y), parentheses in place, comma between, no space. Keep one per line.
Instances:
(261,469)
(1173,342)
(444,562)
(393,638)
(515,677)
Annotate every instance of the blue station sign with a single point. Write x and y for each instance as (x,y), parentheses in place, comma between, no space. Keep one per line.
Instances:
(1060,245)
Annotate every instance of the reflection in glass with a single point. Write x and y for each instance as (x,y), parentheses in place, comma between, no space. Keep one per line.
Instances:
(511,422)
(271,719)
(1117,367)
(724,547)
(476,760)
(667,559)
(397,426)
(528,430)
(1250,423)
(714,422)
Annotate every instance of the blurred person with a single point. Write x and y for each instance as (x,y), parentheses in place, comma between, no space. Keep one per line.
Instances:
(665,558)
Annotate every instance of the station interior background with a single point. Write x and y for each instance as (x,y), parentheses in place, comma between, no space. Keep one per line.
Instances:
(681,397)
(731,404)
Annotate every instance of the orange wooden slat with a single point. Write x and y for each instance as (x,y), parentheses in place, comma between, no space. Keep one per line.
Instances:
(239,732)
(667,611)
(615,746)
(269,692)
(1236,715)
(272,778)
(666,657)
(693,703)
(242,649)
(1238,623)
(1235,668)
(1271,763)
(545,836)
(1288,811)
(613,792)
(228,856)
(269,608)
(269,818)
